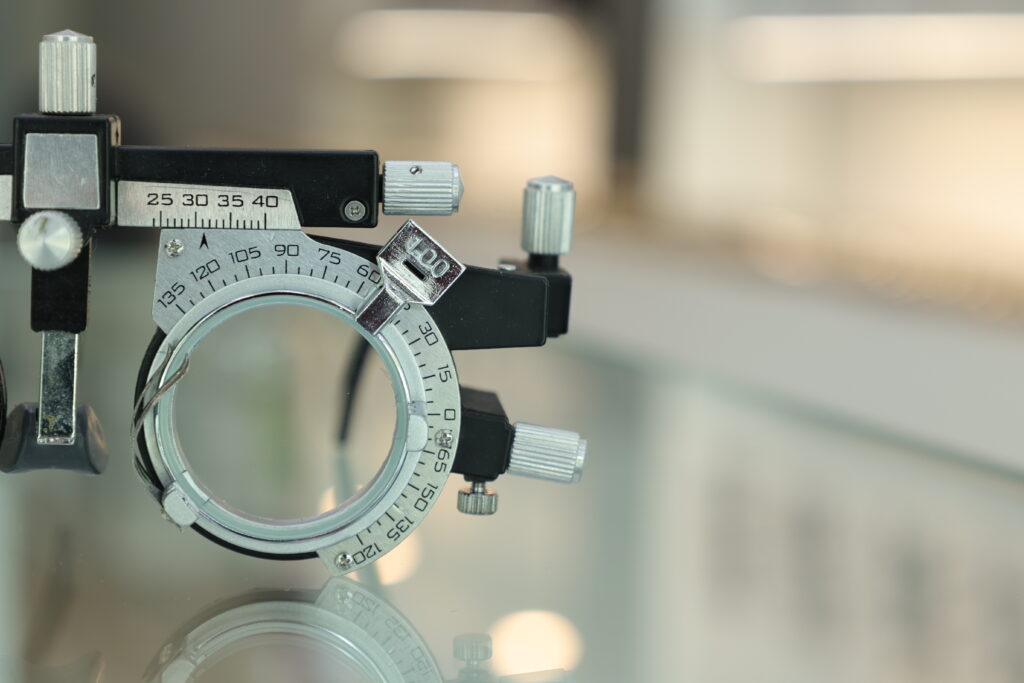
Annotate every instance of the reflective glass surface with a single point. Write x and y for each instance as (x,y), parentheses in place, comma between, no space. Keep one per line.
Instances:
(719,533)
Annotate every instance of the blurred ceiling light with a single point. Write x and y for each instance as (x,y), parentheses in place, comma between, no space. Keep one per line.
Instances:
(534,640)
(458,44)
(878,47)
(327,501)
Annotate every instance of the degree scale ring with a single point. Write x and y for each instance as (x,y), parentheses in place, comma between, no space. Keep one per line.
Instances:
(212,283)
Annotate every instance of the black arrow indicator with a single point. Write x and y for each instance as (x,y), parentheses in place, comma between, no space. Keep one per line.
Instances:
(203,243)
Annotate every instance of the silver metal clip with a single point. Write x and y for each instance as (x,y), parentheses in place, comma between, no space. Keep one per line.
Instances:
(416,270)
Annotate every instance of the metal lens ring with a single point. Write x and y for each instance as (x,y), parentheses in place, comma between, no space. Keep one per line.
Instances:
(345,622)
(422,376)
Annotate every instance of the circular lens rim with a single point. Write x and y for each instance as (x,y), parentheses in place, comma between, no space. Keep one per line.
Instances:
(250,532)
(273,528)
(347,621)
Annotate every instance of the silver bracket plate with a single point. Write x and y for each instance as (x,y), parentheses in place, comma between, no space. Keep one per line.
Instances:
(61,171)
(416,270)
(59,372)
(5,197)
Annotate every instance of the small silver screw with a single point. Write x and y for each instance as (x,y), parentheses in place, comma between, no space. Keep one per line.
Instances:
(415,170)
(174,248)
(344,561)
(507,266)
(444,438)
(355,211)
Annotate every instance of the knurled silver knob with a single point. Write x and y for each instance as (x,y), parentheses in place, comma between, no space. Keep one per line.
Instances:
(67,74)
(549,211)
(478,500)
(547,453)
(472,647)
(49,240)
(421,188)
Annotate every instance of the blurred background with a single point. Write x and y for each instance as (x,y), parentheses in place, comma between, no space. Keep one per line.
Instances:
(796,340)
